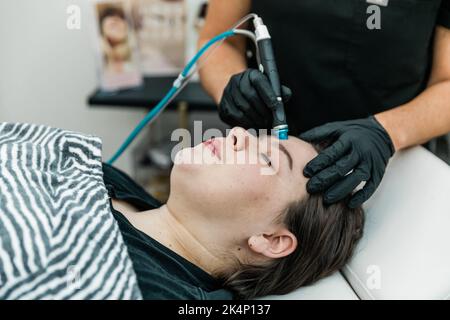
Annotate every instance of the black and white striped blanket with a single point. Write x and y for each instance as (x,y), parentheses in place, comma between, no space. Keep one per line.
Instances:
(58,238)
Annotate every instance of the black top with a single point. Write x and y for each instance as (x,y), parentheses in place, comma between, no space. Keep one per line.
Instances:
(339,69)
(161,273)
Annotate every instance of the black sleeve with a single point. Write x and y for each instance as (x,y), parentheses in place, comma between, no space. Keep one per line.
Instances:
(125,187)
(444,14)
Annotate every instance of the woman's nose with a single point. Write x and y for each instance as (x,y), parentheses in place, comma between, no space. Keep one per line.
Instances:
(238,138)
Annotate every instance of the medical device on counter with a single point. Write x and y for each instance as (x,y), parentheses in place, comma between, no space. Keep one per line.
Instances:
(267,65)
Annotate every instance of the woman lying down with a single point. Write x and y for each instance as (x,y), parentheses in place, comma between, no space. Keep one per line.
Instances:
(229,231)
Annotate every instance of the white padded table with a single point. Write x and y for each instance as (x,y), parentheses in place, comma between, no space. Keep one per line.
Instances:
(405,250)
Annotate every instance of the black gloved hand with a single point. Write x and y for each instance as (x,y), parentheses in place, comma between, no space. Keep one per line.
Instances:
(362,145)
(247,100)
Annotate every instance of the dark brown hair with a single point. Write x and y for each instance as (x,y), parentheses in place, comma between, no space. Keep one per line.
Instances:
(327,236)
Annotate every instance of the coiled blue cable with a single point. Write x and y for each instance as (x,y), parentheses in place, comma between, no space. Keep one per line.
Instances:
(171,94)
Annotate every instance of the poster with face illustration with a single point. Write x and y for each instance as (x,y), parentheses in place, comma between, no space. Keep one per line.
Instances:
(161,33)
(118,56)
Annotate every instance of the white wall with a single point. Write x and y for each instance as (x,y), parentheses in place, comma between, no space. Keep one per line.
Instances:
(47,72)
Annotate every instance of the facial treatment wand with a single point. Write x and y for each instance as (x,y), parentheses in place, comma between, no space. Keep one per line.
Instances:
(269,67)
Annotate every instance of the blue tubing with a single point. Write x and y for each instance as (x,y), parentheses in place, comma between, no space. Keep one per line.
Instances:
(141,125)
(172,92)
(205,48)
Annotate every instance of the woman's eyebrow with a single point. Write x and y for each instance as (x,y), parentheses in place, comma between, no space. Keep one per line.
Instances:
(286,152)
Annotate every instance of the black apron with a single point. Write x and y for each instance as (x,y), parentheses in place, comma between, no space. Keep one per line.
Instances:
(337,68)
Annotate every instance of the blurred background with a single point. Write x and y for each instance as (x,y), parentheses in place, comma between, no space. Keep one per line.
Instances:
(49,73)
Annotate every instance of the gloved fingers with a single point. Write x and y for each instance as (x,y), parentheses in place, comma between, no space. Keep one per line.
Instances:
(346,186)
(262,85)
(362,195)
(259,111)
(286,93)
(318,133)
(241,121)
(367,191)
(327,157)
(329,176)
(242,104)
(231,115)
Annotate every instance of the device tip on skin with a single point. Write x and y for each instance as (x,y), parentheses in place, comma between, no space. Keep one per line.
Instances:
(281,132)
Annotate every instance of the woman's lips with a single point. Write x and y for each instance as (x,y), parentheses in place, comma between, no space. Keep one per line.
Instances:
(214,146)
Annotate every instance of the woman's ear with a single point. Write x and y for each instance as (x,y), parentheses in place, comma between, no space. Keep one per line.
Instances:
(276,245)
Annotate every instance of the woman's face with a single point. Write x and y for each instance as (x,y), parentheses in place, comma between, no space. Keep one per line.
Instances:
(115,28)
(242,178)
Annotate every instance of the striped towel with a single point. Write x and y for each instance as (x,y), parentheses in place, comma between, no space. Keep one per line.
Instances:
(58,237)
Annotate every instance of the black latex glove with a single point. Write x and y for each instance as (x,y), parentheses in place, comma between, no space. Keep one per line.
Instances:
(362,145)
(247,100)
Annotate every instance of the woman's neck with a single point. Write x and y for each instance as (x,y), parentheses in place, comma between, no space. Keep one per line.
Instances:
(162,225)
